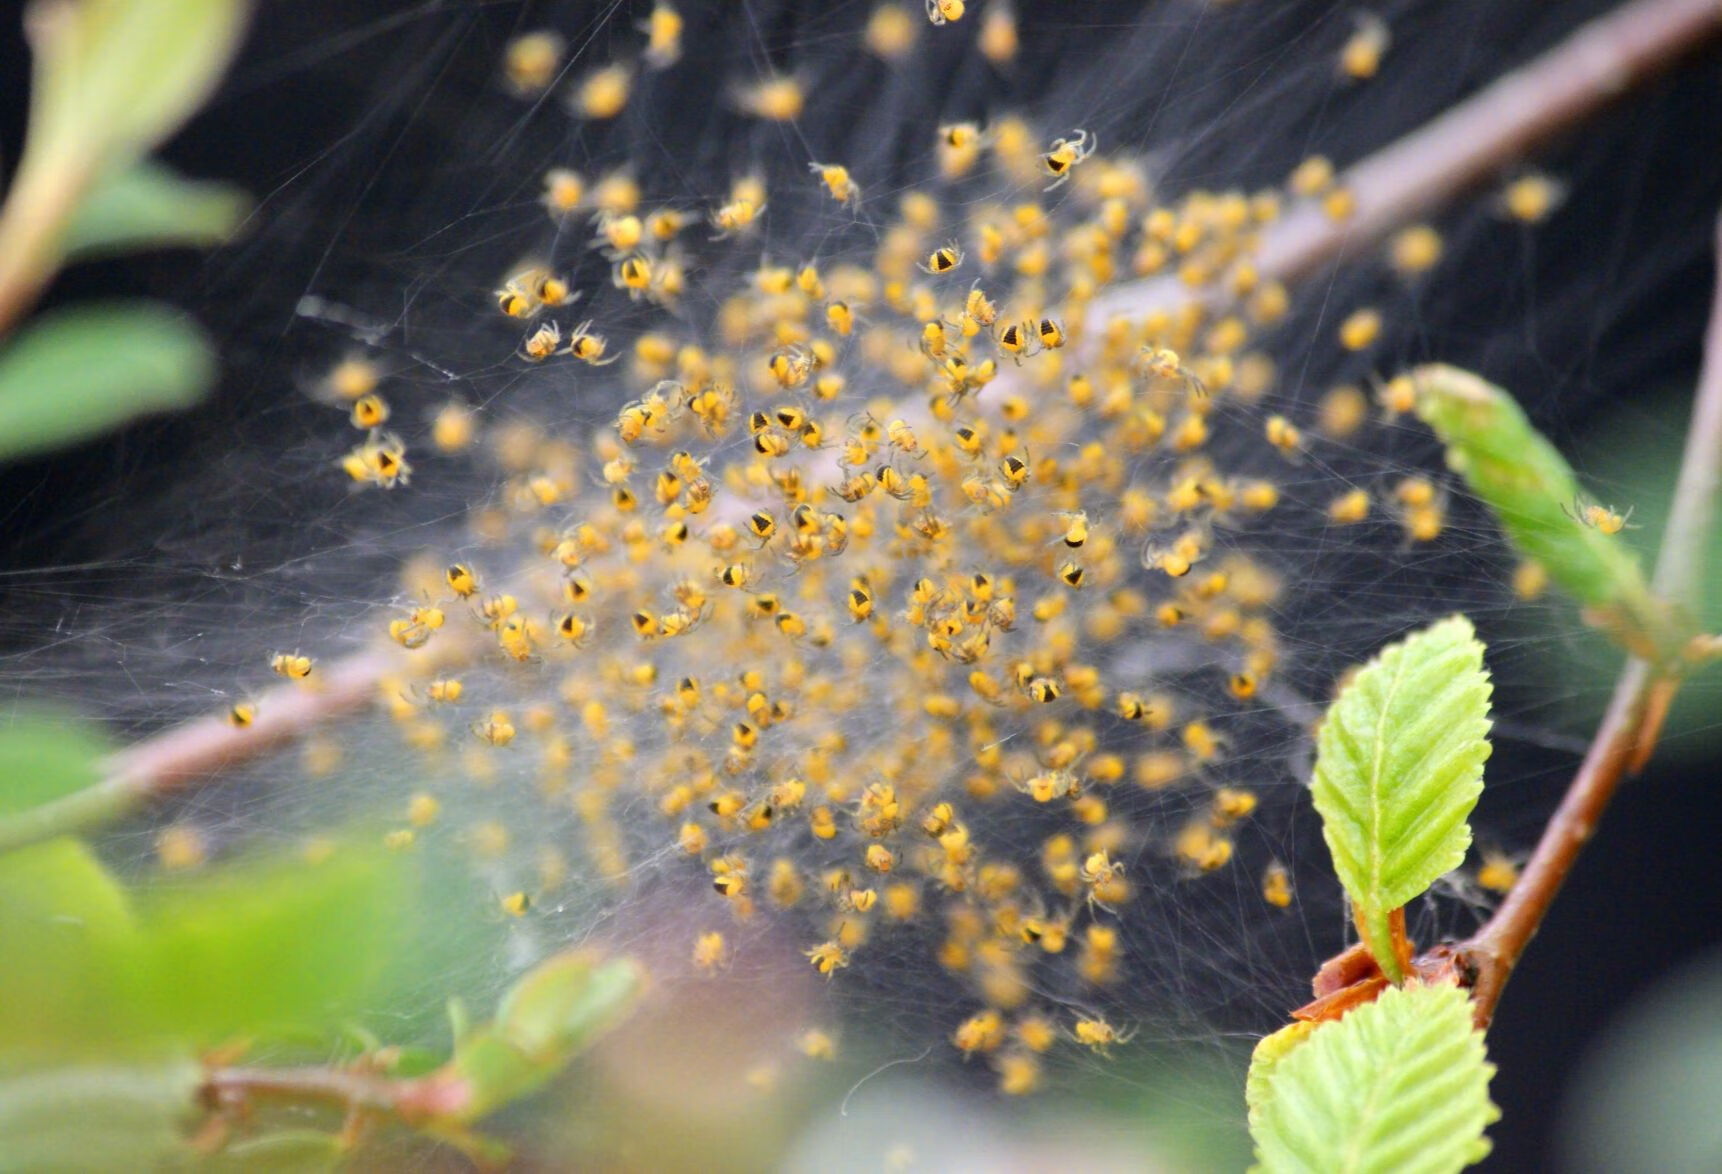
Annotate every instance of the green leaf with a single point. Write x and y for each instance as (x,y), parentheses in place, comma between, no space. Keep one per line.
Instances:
(254,950)
(97,1116)
(554,1012)
(559,1005)
(1399,766)
(1398,1086)
(115,77)
(110,80)
(1534,494)
(152,206)
(1265,1061)
(286,1151)
(261,946)
(72,943)
(80,372)
(46,756)
(51,780)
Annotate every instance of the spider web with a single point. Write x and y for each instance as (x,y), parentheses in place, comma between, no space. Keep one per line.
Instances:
(384,240)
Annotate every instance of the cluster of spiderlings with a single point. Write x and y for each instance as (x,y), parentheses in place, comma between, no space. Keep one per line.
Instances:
(904,600)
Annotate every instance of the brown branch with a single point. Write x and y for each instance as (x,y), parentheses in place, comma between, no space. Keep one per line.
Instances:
(200,749)
(1420,172)
(433,1104)
(1686,541)
(187,753)
(1499,124)
(1489,957)
(1634,718)
(354,1089)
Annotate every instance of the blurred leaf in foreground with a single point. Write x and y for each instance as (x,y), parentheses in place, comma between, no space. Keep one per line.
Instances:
(45,756)
(80,372)
(242,950)
(275,943)
(97,1116)
(555,1011)
(115,77)
(110,80)
(72,945)
(52,778)
(149,206)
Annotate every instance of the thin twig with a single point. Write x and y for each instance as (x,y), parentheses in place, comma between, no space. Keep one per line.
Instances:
(1494,950)
(185,753)
(412,1101)
(1422,171)
(1641,696)
(156,767)
(434,1104)
(1685,542)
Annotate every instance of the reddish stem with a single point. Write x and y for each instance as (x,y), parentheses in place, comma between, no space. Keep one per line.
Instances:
(352,1089)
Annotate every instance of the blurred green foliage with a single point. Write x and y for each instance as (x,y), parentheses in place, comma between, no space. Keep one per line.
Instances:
(110,993)
(110,80)
(45,755)
(151,206)
(77,373)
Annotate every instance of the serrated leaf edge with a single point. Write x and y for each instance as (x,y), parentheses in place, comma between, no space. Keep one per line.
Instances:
(1439,781)
(1312,1080)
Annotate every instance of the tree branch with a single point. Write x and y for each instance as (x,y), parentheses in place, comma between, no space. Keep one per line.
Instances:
(197,750)
(1425,169)
(1686,541)
(413,1101)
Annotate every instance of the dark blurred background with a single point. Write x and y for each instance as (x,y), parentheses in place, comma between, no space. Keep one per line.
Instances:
(377,147)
